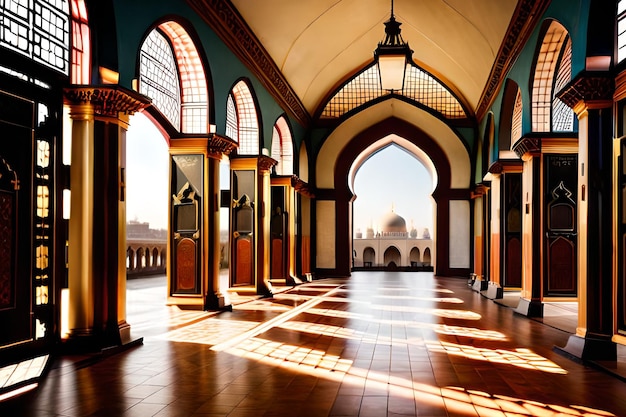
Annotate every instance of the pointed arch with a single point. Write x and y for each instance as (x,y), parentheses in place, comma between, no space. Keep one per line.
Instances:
(510,125)
(552,64)
(172,74)
(282,146)
(242,123)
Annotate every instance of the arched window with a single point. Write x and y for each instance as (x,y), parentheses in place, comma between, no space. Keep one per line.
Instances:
(242,124)
(553,65)
(81,44)
(419,86)
(516,120)
(282,147)
(172,75)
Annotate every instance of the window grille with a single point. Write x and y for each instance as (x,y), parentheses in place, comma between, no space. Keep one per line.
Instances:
(563,115)
(159,76)
(81,44)
(621,30)
(543,82)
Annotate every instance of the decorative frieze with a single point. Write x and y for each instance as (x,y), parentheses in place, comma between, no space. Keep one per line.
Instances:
(522,24)
(107,100)
(224,19)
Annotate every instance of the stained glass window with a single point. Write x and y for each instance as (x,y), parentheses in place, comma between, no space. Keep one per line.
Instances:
(282,147)
(419,86)
(38,29)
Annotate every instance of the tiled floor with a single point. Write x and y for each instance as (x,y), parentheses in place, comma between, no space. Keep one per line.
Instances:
(377,344)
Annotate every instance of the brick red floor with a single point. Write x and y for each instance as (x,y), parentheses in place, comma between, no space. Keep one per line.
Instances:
(376,344)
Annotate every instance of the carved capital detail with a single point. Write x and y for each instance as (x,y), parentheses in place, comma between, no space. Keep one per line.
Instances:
(587,87)
(266,163)
(302,187)
(527,145)
(505,165)
(107,100)
(220,145)
(228,24)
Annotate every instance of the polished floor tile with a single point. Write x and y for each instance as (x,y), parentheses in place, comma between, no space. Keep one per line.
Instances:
(376,344)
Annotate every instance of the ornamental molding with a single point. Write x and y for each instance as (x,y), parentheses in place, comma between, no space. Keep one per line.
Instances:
(522,24)
(527,145)
(587,87)
(229,25)
(107,100)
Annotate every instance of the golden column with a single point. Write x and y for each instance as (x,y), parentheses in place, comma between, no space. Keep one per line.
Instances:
(97,231)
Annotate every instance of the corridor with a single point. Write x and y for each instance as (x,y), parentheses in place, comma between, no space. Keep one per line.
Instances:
(376,344)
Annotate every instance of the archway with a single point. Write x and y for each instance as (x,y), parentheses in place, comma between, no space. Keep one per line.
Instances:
(392,181)
(449,156)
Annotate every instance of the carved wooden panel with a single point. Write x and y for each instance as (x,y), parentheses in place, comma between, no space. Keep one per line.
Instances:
(244,265)
(561,267)
(7,278)
(513,263)
(277,270)
(186,268)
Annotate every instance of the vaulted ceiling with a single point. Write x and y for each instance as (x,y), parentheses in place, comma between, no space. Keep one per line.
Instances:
(307,48)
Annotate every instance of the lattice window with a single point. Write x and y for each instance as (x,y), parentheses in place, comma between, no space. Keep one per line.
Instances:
(361,89)
(423,88)
(243,111)
(158,76)
(621,30)
(563,115)
(419,86)
(516,121)
(38,29)
(81,44)
(282,147)
(547,61)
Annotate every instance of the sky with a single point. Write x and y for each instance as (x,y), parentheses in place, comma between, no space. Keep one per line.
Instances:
(147,173)
(393,178)
(390,178)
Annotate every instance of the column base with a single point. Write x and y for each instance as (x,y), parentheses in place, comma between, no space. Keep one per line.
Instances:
(589,349)
(494,291)
(218,301)
(87,341)
(529,308)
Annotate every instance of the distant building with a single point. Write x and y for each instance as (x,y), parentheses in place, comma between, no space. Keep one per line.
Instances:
(146,249)
(392,246)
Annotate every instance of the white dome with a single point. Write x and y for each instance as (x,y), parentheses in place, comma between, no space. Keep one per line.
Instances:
(393,223)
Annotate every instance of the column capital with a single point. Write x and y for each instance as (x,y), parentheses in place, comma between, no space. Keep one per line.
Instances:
(217,146)
(106,100)
(527,145)
(588,90)
(302,187)
(266,163)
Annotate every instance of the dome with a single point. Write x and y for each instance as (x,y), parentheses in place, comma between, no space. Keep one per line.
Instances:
(393,223)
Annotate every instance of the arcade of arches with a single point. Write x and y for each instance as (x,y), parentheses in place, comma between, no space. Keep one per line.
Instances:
(516,110)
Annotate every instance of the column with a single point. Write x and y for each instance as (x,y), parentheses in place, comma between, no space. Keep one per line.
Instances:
(97,233)
(590,95)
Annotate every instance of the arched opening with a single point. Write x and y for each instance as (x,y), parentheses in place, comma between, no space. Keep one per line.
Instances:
(426,259)
(392,258)
(369,257)
(414,257)
(393,203)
